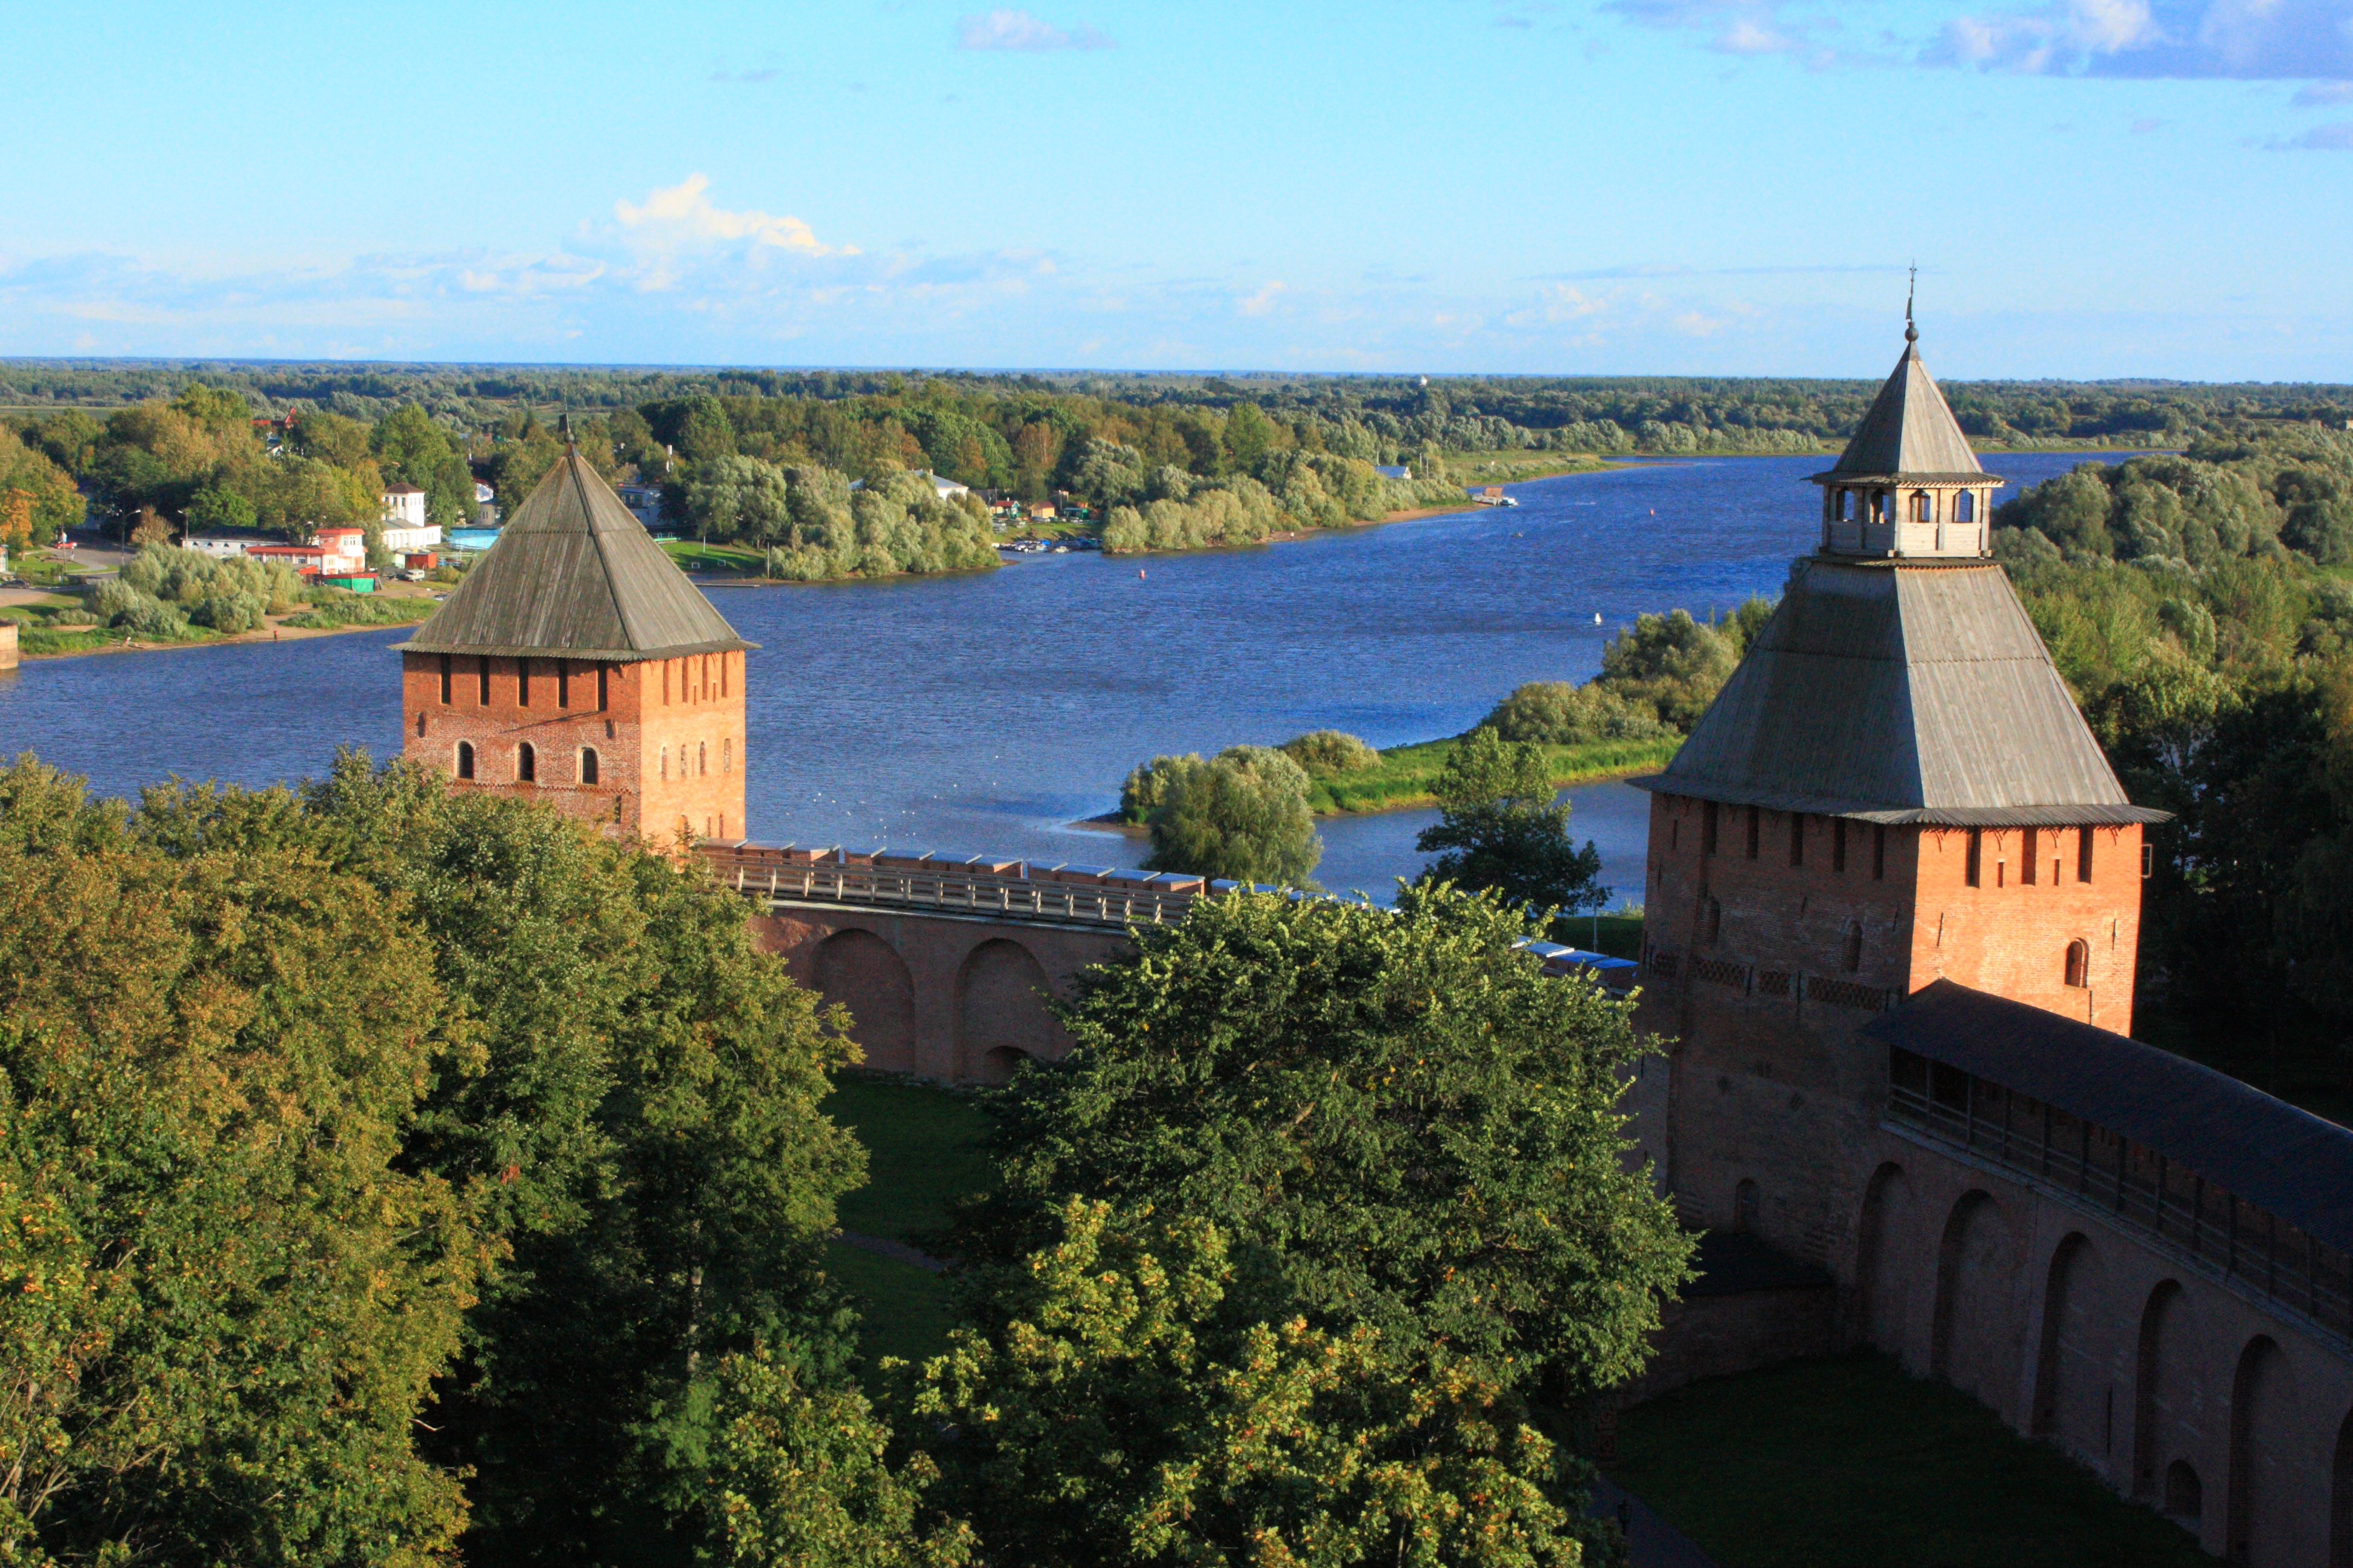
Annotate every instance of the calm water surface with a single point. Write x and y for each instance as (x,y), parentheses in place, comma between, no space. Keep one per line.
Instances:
(989,713)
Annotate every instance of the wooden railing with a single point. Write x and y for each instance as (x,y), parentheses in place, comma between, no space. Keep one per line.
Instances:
(2200,1226)
(947,887)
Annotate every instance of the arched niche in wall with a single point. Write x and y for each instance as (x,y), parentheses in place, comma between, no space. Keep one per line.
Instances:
(865,974)
(2156,1386)
(1882,1281)
(1968,1344)
(2074,1400)
(2262,1497)
(1001,995)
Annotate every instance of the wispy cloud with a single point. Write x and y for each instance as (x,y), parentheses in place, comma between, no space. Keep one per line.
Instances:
(2320,93)
(1260,303)
(2334,137)
(2250,39)
(1734,27)
(1010,29)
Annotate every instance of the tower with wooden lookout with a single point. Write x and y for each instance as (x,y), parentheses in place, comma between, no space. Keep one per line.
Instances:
(1894,788)
(575,665)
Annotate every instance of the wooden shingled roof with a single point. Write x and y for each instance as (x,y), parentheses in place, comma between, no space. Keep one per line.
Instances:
(1909,431)
(574,575)
(1901,692)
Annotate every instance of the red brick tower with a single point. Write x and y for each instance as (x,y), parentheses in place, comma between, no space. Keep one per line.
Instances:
(576,665)
(1894,787)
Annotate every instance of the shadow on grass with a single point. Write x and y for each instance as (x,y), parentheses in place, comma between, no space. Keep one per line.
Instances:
(1849,1463)
(925,1147)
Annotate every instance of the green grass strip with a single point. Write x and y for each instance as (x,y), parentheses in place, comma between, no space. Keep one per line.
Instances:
(1407,775)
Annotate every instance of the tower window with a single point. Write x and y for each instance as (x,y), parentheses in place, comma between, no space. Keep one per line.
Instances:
(445,680)
(465,759)
(1964,506)
(1879,852)
(602,671)
(726,755)
(702,757)
(1744,1206)
(2082,854)
(1846,506)
(1838,844)
(587,764)
(564,683)
(1715,919)
(1923,510)
(523,683)
(420,726)
(666,664)
(526,764)
(1707,827)
(1755,820)
(1850,948)
(2079,964)
(722,694)
(2026,864)
(1973,871)
(665,763)
(1797,839)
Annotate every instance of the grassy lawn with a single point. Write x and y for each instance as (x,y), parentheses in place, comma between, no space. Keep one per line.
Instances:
(925,1147)
(362,610)
(1851,1464)
(1407,774)
(694,557)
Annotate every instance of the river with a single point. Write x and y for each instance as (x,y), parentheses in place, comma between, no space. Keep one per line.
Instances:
(990,714)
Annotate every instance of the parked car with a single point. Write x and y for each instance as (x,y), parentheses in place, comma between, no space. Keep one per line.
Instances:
(414,574)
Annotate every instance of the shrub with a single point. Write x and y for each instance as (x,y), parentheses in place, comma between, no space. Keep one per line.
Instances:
(1326,752)
(1555,713)
(1141,794)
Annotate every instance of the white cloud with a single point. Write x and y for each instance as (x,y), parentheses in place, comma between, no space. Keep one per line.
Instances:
(2252,39)
(1010,29)
(683,212)
(1260,303)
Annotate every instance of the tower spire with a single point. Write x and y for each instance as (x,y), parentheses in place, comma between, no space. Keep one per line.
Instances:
(1911,332)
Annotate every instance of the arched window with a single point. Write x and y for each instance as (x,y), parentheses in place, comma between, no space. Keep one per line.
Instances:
(465,759)
(702,757)
(665,762)
(587,764)
(1922,510)
(2079,964)
(726,752)
(1744,1206)
(1846,506)
(526,764)
(1714,918)
(420,724)
(1851,956)
(1964,506)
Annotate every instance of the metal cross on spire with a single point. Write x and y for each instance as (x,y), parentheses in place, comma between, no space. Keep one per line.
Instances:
(1911,332)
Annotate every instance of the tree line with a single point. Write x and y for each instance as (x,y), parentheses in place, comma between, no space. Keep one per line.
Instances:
(391,1176)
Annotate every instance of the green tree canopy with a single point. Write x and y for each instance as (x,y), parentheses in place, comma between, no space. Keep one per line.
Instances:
(1242,816)
(1394,1117)
(1499,828)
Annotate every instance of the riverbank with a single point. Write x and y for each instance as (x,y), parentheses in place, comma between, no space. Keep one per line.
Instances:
(36,641)
(1407,776)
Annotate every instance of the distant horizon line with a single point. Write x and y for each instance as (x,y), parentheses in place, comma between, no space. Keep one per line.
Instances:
(169,362)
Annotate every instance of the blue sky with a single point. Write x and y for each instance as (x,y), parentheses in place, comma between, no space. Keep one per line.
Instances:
(2091,187)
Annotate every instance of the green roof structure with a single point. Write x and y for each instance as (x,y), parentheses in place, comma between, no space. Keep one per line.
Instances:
(574,575)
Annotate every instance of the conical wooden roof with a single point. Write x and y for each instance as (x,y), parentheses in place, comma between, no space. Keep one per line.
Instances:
(1901,692)
(574,575)
(1909,431)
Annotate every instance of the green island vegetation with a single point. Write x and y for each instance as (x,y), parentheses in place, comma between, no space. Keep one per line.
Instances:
(1849,1463)
(511,1233)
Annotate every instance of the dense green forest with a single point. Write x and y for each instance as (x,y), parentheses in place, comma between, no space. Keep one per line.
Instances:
(501,1236)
